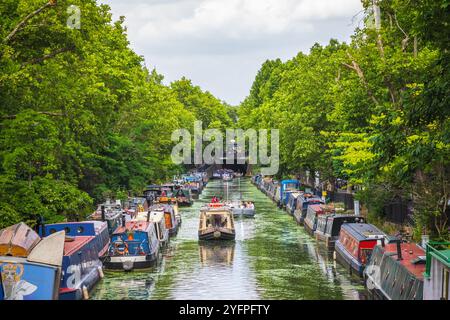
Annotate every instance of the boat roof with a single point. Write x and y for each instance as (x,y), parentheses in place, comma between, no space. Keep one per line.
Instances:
(98,225)
(289,181)
(363,231)
(133,226)
(70,247)
(410,252)
(295,194)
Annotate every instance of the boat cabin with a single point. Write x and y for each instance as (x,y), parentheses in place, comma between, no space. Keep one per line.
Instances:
(313,213)
(216,224)
(96,229)
(30,267)
(133,246)
(292,202)
(303,201)
(355,244)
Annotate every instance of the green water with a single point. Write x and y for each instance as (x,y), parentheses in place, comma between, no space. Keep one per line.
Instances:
(272,258)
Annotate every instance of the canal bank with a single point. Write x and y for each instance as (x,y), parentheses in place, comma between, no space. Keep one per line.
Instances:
(272,258)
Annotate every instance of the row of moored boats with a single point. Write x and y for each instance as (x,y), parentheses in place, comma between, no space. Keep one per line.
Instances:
(391,268)
(66,260)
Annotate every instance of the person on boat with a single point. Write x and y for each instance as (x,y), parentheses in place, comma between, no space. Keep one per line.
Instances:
(251,205)
(214,199)
(163,193)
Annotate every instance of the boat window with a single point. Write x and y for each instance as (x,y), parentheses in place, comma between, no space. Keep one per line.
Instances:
(52,230)
(80,229)
(67,229)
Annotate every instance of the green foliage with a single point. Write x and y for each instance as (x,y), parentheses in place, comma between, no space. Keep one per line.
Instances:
(374,112)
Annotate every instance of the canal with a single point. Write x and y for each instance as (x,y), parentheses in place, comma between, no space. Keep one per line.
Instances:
(272,258)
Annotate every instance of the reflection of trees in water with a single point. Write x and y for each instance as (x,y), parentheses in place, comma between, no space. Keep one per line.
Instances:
(217,252)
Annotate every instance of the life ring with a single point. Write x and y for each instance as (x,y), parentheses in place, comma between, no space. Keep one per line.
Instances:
(117,250)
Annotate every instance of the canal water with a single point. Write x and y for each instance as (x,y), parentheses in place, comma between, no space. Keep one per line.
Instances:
(272,258)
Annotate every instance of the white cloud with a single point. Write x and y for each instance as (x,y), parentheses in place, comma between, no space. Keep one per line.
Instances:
(181,37)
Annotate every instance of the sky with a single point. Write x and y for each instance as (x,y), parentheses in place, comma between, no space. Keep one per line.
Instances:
(221,44)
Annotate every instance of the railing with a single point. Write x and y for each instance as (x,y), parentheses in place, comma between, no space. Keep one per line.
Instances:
(431,249)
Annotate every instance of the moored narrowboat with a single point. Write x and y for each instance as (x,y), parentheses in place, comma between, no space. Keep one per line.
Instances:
(292,202)
(286,187)
(329,226)
(98,230)
(156,215)
(183,196)
(304,200)
(30,267)
(355,244)
(133,246)
(395,272)
(313,213)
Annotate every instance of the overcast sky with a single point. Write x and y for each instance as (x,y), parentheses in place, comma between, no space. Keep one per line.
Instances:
(221,44)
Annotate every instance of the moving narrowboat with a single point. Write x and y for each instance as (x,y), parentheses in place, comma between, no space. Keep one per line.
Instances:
(303,201)
(329,226)
(241,208)
(292,202)
(156,215)
(216,223)
(355,244)
(133,246)
(437,272)
(110,212)
(85,244)
(313,213)
(30,267)
(395,272)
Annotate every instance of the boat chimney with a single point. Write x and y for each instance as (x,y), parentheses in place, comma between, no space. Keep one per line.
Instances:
(103,213)
(123,220)
(148,215)
(399,250)
(382,242)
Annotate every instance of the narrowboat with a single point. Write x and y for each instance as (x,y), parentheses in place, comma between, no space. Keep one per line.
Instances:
(84,245)
(216,253)
(156,215)
(329,226)
(216,223)
(292,202)
(241,208)
(110,212)
(395,272)
(303,201)
(134,245)
(160,193)
(313,213)
(355,244)
(30,267)
(183,197)
(286,187)
(437,271)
